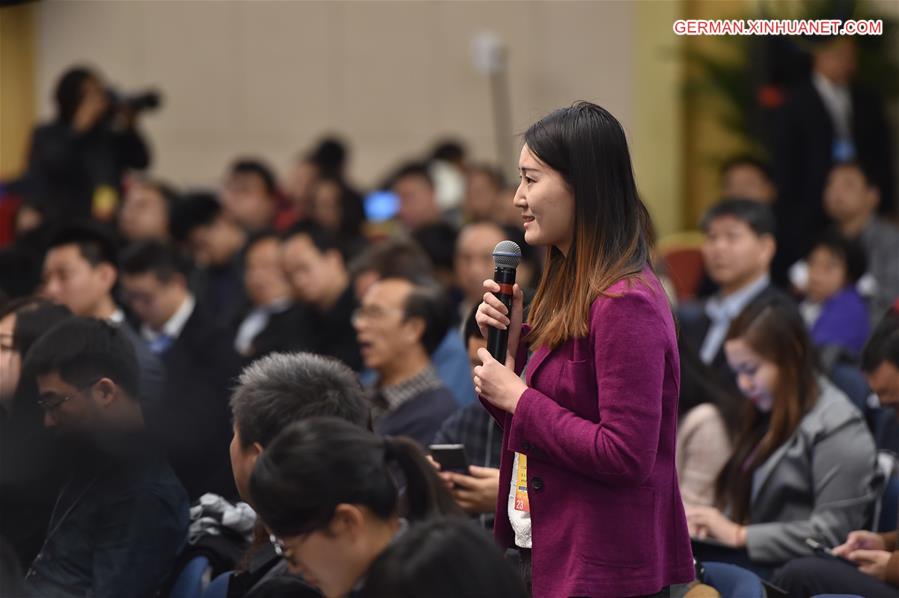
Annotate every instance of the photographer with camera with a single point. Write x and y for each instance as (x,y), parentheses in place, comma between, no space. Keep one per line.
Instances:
(77,161)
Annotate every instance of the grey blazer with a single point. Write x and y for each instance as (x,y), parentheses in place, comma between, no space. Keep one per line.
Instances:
(819,484)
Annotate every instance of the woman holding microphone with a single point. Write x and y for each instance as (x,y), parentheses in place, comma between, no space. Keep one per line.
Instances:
(588,488)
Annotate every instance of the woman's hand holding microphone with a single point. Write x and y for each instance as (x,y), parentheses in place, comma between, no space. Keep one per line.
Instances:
(492,380)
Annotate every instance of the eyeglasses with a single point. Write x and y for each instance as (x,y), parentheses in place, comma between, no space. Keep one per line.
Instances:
(52,402)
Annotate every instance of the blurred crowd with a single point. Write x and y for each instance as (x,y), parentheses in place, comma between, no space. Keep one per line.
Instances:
(179,365)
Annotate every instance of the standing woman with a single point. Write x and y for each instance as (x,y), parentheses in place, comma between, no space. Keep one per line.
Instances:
(588,487)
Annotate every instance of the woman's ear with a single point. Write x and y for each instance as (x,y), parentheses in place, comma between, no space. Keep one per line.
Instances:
(348,522)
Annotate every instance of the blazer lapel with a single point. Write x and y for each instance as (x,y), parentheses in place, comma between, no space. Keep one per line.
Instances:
(761,475)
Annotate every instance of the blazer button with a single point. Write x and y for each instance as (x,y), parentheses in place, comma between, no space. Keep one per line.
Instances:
(537,484)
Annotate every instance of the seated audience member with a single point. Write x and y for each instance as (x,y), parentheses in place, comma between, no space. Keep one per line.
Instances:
(851,200)
(326,490)
(747,177)
(803,464)
(32,465)
(121,518)
(250,195)
(834,311)
(274,322)
(876,570)
(80,272)
(484,186)
(475,491)
(192,420)
(443,558)
(737,253)
(338,208)
(414,187)
(399,325)
(708,422)
(401,258)
(215,243)
(474,260)
(317,271)
(272,393)
(145,213)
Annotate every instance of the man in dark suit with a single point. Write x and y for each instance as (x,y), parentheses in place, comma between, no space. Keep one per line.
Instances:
(192,421)
(275,322)
(399,326)
(315,262)
(737,253)
(826,120)
(80,271)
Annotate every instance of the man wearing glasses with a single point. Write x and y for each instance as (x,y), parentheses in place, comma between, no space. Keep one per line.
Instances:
(121,517)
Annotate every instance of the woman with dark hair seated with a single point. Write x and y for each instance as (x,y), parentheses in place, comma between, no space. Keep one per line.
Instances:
(803,463)
(442,558)
(327,491)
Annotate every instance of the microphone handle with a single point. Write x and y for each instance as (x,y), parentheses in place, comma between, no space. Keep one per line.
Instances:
(498,340)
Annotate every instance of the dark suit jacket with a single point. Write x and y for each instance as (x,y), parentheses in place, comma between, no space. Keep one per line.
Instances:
(694,324)
(193,421)
(152,372)
(419,418)
(287,331)
(802,157)
(334,333)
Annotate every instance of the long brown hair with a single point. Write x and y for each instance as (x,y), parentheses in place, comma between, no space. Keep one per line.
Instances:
(774,330)
(612,228)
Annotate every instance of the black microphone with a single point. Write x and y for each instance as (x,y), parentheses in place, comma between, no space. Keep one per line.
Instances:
(506,256)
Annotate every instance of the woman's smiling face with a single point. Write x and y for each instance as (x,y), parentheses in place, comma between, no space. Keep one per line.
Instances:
(546,203)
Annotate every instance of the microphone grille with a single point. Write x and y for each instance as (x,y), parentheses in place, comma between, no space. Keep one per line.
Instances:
(506,254)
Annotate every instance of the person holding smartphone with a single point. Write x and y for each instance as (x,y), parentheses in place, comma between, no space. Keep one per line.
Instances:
(588,488)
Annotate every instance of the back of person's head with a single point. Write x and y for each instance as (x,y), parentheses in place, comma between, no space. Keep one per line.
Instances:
(471,330)
(256,167)
(84,350)
(69,91)
(197,208)
(772,332)
(20,270)
(587,146)
(317,464)
(282,388)
(442,558)
(758,217)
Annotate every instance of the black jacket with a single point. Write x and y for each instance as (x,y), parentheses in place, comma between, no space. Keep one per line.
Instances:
(65,167)
(193,420)
(802,158)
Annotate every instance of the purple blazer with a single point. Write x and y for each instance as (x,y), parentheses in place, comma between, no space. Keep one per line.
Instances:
(598,425)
